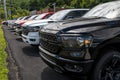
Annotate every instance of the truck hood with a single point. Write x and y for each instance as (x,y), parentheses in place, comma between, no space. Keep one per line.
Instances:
(39,24)
(36,22)
(81,25)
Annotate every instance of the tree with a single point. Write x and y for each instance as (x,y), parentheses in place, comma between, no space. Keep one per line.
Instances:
(75,3)
(24,5)
(36,4)
(60,2)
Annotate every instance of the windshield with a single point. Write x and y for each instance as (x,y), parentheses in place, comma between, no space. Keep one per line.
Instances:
(19,18)
(108,10)
(40,16)
(59,15)
(32,17)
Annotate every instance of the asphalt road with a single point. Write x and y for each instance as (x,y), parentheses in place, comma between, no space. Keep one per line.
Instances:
(27,59)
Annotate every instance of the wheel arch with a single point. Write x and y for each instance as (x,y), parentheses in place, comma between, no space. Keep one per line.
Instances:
(113,44)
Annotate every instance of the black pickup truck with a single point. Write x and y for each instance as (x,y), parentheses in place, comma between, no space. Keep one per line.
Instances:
(88,46)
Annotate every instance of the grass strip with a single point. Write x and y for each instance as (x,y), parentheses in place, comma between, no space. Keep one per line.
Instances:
(3,57)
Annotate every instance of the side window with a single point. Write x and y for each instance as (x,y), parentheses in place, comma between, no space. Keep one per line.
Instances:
(75,14)
(83,12)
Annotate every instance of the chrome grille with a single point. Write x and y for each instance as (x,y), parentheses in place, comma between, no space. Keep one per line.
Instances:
(49,42)
(49,37)
(51,47)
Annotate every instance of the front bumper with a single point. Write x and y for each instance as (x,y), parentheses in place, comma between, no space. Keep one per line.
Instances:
(31,39)
(18,31)
(63,65)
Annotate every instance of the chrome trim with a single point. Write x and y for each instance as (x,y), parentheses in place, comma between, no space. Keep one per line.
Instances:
(50,61)
(63,59)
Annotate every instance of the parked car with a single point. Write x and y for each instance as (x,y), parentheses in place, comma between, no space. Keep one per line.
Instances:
(9,23)
(30,34)
(29,18)
(4,23)
(18,27)
(13,24)
(88,46)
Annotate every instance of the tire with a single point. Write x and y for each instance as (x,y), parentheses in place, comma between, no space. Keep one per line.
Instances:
(108,67)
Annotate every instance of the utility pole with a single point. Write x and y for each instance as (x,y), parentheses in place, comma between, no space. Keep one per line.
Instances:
(10,9)
(54,6)
(5,10)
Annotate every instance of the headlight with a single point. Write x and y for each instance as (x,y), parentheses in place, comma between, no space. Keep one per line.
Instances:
(77,41)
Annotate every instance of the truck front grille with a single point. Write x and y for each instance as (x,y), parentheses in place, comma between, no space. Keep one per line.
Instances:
(49,37)
(51,47)
(49,42)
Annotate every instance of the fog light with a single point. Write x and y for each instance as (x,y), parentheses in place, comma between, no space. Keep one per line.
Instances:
(77,54)
(73,68)
(32,40)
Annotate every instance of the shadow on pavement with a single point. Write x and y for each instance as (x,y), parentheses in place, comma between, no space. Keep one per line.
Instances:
(52,75)
(12,30)
(19,39)
(31,51)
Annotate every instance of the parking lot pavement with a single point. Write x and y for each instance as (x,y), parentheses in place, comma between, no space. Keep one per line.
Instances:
(30,66)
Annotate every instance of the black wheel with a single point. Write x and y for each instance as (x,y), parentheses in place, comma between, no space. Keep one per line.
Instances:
(108,67)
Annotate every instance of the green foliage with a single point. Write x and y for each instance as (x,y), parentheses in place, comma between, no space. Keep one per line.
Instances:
(17,12)
(3,56)
(22,7)
(40,4)
(1,13)
(14,8)
(60,2)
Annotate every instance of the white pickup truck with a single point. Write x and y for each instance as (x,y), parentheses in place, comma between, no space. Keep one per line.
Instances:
(30,34)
